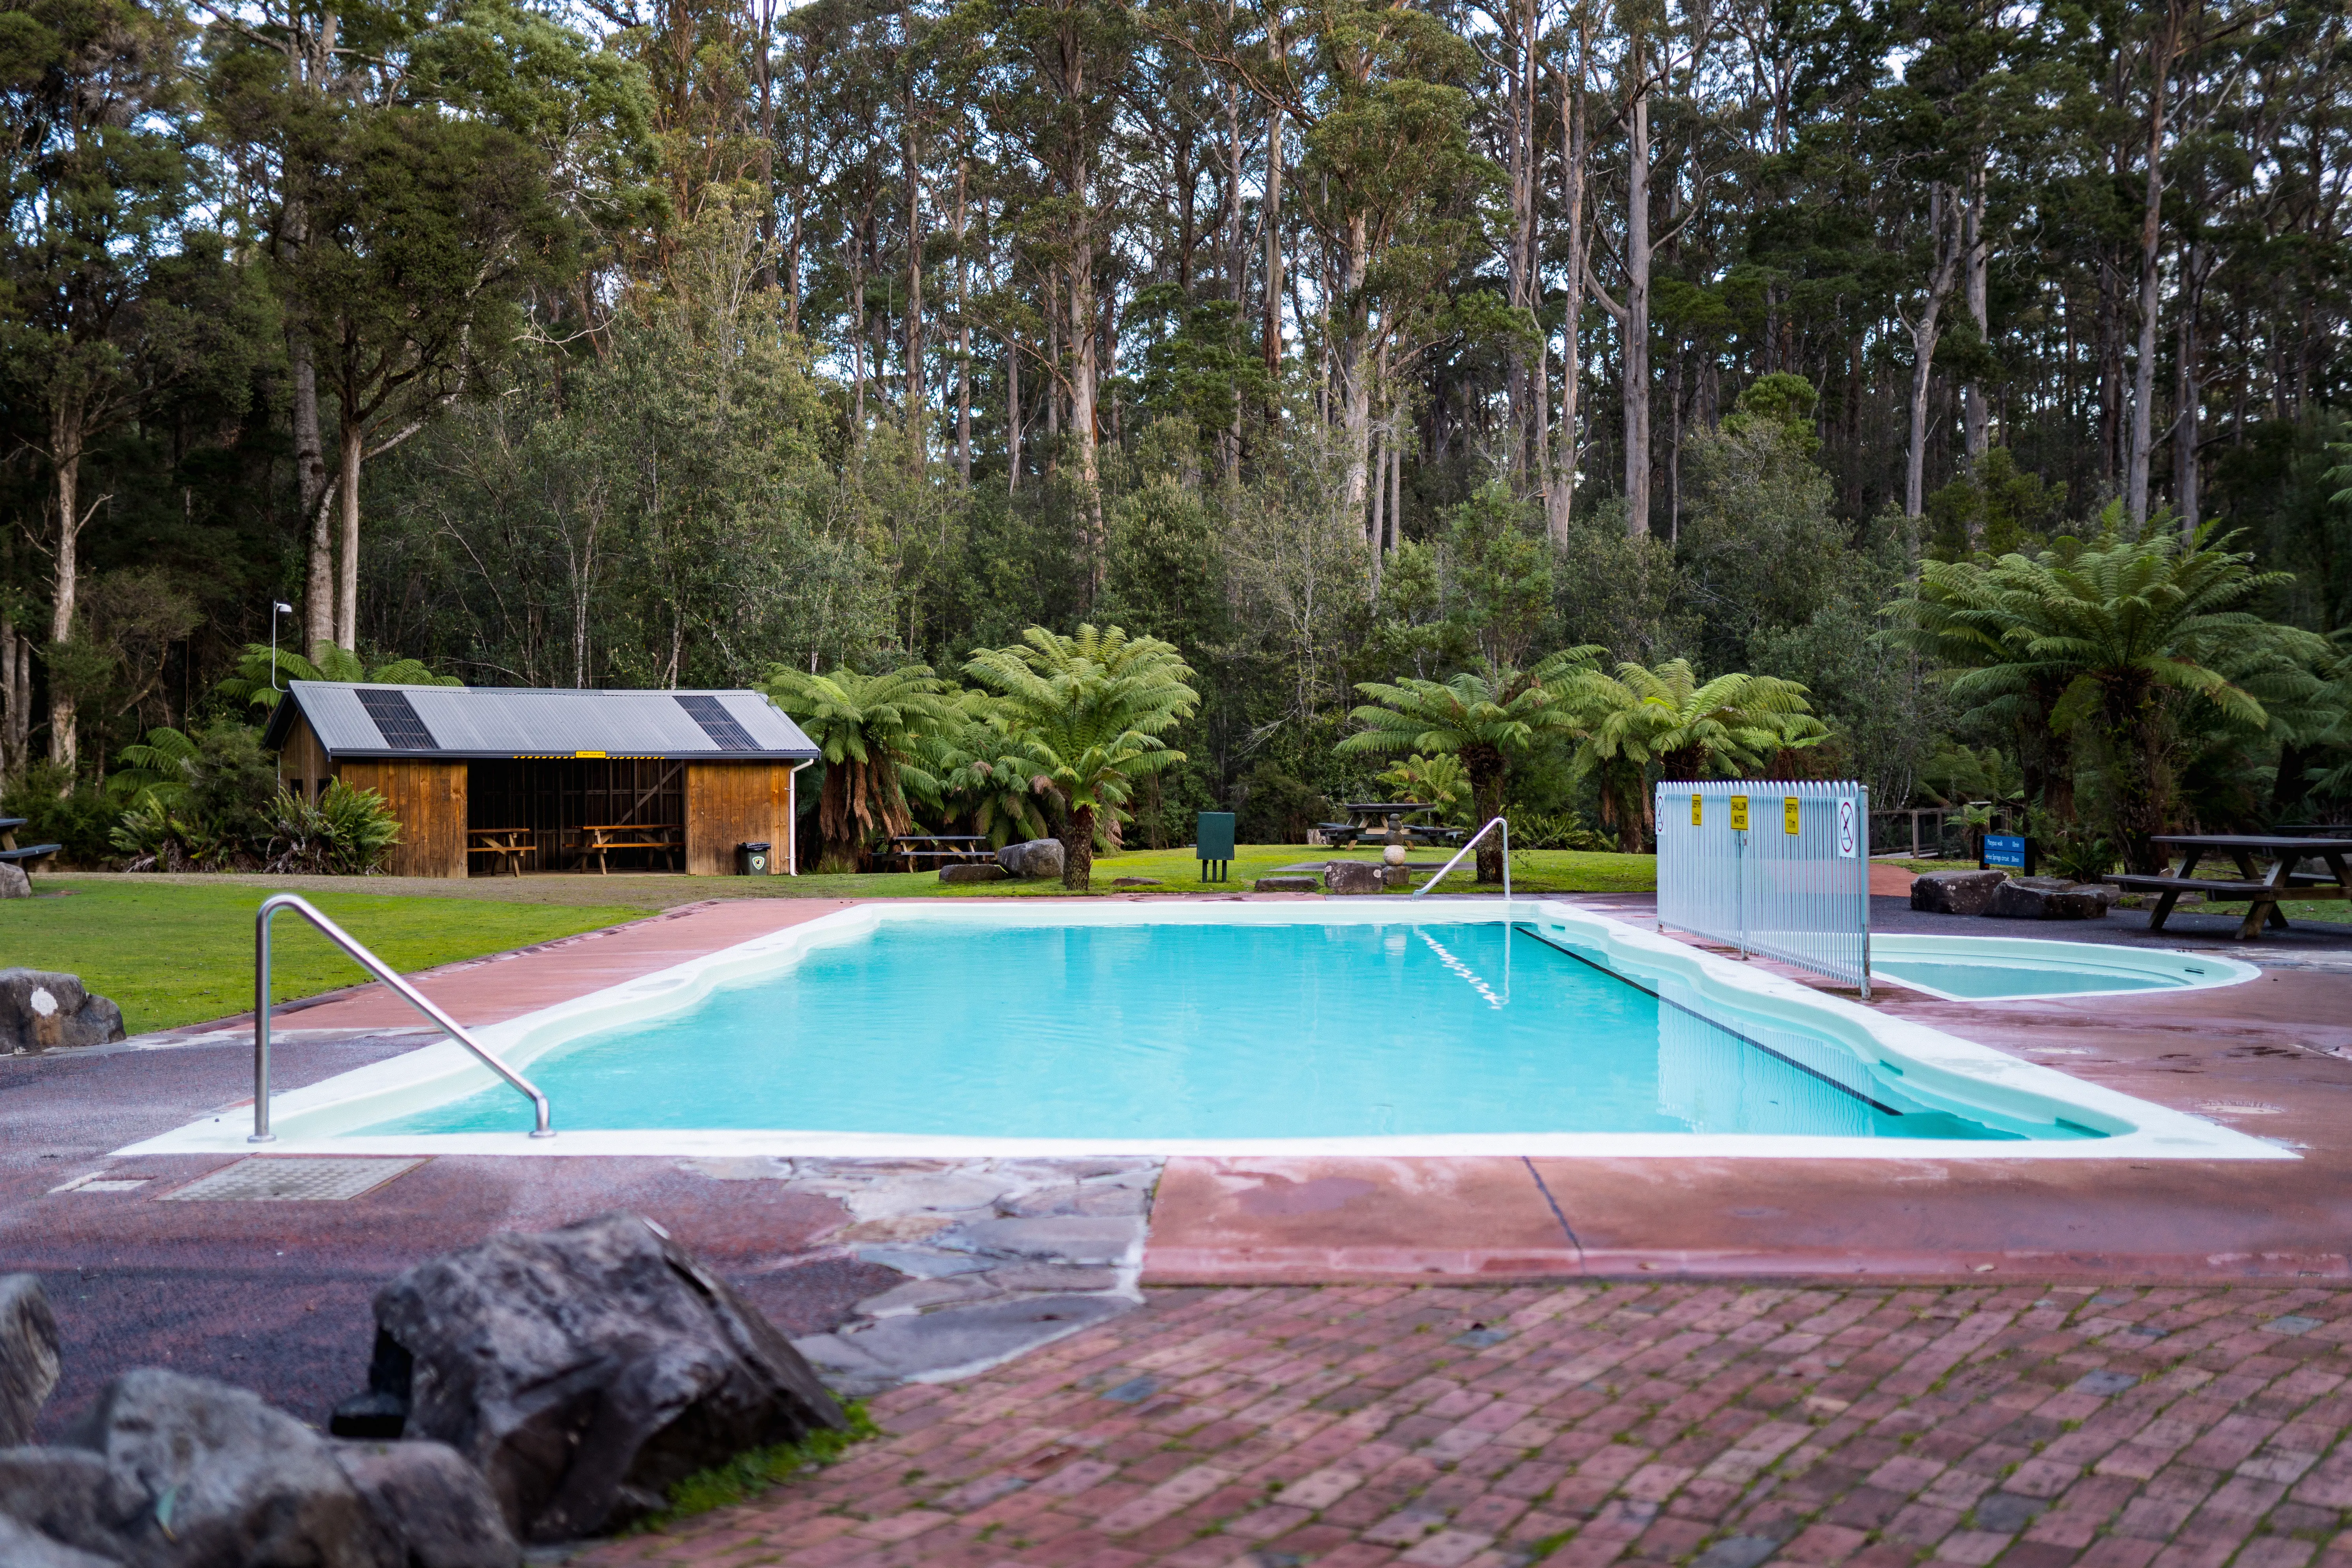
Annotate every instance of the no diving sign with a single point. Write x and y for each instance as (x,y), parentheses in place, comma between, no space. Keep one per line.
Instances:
(1849,828)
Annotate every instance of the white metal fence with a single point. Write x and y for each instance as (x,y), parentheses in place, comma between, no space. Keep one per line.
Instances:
(1779,869)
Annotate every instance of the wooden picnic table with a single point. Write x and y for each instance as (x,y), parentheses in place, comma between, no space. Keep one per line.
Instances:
(2263,890)
(912,847)
(601,839)
(509,844)
(27,857)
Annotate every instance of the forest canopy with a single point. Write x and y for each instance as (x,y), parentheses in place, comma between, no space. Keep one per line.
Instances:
(1643,366)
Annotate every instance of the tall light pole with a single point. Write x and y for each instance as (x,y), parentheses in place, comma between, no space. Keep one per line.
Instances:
(276,610)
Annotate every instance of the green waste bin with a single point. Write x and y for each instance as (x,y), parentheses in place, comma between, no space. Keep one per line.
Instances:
(751,860)
(1213,840)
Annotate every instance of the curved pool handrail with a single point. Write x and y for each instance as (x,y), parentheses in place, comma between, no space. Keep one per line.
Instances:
(1469,845)
(373,965)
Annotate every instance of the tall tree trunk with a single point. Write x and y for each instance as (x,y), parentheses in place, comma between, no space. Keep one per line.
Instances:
(857,335)
(65,453)
(11,759)
(763,13)
(917,393)
(1633,315)
(1925,328)
(347,489)
(1559,495)
(2143,403)
(1975,256)
(963,337)
(2187,393)
(1271,332)
(1527,433)
(1084,349)
(1356,368)
(1012,415)
(310,487)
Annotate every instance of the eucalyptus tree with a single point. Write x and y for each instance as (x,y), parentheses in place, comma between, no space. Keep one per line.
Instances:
(107,293)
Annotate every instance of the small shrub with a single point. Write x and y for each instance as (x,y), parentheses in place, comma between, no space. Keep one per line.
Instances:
(346,832)
(2076,853)
(1556,830)
(77,817)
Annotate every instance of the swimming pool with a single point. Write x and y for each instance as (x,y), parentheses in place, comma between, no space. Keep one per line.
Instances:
(1224,1027)
(2005,968)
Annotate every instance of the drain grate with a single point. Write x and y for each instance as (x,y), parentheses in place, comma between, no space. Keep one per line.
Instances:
(287,1179)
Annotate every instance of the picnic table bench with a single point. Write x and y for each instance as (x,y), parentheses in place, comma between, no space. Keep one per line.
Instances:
(912,848)
(600,840)
(2262,890)
(509,844)
(1383,822)
(31,855)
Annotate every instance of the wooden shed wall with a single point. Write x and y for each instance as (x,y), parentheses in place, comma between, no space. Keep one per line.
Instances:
(429,798)
(728,804)
(303,761)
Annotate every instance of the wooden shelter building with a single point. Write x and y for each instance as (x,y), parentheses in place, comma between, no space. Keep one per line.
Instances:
(492,779)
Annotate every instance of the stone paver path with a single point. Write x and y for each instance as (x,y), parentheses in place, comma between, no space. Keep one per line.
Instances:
(1450,1427)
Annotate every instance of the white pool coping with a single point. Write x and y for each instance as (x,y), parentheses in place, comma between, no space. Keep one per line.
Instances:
(2186,971)
(319,1119)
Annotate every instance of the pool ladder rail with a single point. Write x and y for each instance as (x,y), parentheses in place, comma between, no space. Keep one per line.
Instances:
(1466,848)
(382,970)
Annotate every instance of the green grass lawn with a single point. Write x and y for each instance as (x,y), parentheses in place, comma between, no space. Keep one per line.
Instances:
(180,952)
(1179,871)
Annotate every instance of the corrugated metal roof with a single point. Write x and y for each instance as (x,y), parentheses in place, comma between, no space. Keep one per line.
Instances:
(486,721)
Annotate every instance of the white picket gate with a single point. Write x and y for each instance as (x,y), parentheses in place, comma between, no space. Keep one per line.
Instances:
(1772,867)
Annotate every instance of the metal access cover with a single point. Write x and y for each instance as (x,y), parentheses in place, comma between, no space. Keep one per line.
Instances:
(292,1180)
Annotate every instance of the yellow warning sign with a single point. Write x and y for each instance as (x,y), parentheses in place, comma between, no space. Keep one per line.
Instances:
(1695,811)
(1739,813)
(1789,814)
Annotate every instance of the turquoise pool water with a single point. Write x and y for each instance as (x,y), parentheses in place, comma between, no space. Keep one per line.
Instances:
(1192,1031)
(1991,981)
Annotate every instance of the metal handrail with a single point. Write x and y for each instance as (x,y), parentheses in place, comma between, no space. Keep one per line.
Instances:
(373,965)
(1466,849)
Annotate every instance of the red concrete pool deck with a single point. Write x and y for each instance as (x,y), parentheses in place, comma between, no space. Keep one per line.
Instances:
(2272,1057)
(508,984)
(1587,1427)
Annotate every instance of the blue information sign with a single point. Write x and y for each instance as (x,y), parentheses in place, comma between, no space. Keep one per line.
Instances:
(2006,850)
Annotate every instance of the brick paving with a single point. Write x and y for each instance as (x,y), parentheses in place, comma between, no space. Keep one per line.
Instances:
(1729,1425)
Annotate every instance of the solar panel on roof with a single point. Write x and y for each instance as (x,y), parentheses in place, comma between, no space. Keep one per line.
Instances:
(397,722)
(718,723)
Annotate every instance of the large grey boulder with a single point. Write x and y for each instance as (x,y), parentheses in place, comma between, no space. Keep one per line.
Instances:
(587,1369)
(1032,858)
(2050,899)
(182,1472)
(42,1011)
(28,1355)
(434,1503)
(13,883)
(1956,892)
(1352,877)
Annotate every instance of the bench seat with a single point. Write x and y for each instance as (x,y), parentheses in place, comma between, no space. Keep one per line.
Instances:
(2205,885)
(30,852)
